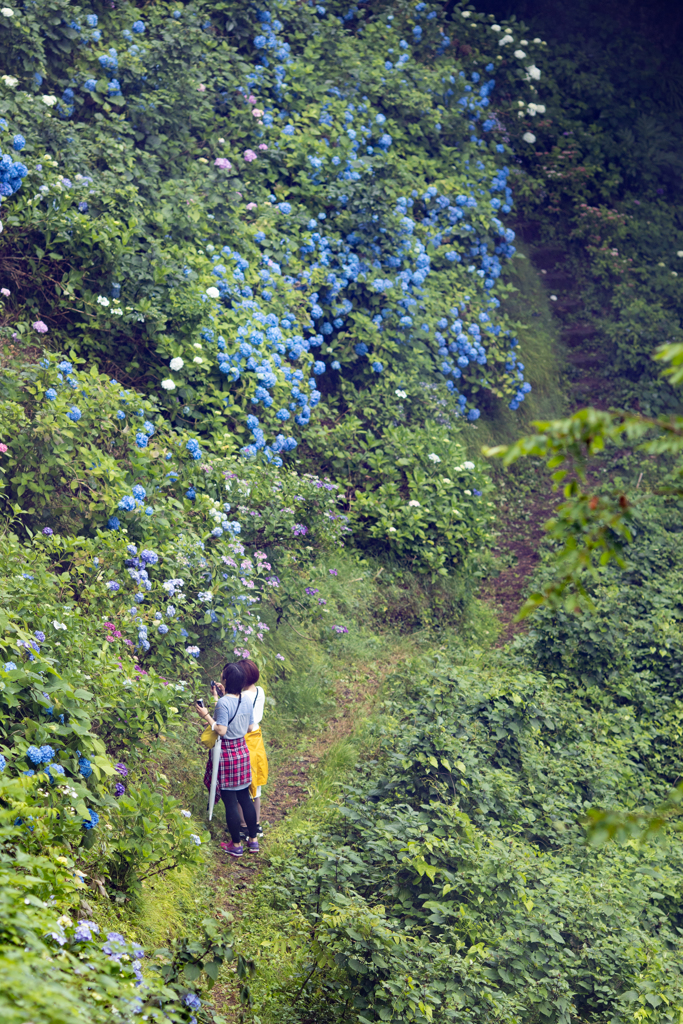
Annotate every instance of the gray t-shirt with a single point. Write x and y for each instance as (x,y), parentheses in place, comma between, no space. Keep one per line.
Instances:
(224,711)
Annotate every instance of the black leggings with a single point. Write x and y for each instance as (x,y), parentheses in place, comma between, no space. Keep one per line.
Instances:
(231,798)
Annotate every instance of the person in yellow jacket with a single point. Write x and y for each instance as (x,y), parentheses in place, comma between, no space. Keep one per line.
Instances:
(254,738)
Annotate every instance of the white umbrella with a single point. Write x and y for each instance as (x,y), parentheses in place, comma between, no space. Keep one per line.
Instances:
(216,754)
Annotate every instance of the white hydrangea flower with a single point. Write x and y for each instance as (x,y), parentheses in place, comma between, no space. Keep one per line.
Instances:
(168,384)
(468,465)
(392,529)
(102,300)
(198,359)
(176,363)
(58,625)
(680,253)
(117,311)
(49,101)
(7,12)
(11,82)
(403,394)
(213,293)
(496,28)
(433,457)
(533,72)
(466,14)
(524,42)
(529,137)
(507,38)
(520,54)
(414,504)
(186,814)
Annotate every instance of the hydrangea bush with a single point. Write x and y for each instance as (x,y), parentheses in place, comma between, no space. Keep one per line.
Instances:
(288,240)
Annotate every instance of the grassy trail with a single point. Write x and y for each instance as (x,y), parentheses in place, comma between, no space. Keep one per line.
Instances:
(301,786)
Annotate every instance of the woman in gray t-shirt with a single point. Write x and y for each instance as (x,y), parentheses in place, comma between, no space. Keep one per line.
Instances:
(232,720)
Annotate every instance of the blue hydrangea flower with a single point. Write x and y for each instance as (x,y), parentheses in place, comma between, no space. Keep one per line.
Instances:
(90,84)
(92,821)
(74,414)
(34,755)
(120,415)
(191,493)
(84,767)
(139,492)
(10,666)
(18,143)
(127,503)
(113,523)
(284,207)
(51,394)
(91,20)
(141,439)
(46,754)
(3,763)
(378,367)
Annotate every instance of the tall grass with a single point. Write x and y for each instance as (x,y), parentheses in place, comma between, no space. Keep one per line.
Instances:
(542,353)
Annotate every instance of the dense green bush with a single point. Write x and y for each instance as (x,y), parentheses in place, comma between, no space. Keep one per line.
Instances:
(600,174)
(455,884)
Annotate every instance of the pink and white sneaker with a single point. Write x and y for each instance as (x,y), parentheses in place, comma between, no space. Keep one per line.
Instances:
(234,849)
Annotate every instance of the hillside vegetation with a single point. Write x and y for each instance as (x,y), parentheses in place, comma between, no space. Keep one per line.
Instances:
(261,305)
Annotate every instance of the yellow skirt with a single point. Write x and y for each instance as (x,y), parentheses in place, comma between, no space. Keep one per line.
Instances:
(259,761)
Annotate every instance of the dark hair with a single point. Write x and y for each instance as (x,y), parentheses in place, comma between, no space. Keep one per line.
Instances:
(251,672)
(233,678)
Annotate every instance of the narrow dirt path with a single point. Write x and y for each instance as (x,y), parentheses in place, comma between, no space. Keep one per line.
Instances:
(290,785)
(521,525)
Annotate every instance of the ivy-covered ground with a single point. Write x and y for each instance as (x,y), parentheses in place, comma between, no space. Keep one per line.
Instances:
(262,301)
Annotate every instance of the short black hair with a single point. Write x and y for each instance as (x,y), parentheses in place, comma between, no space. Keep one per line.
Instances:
(232,678)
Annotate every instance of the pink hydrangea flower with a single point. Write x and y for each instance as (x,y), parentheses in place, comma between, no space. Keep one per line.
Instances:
(251,206)
(263,146)
(251,99)
(40,327)
(6,292)
(257,113)
(3,448)
(249,155)
(223,163)
(201,88)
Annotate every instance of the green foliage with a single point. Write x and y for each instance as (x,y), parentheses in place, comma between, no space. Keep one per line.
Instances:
(455,884)
(53,969)
(593,524)
(601,179)
(423,517)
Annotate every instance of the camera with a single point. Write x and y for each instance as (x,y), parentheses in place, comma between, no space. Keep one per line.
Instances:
(199,702)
